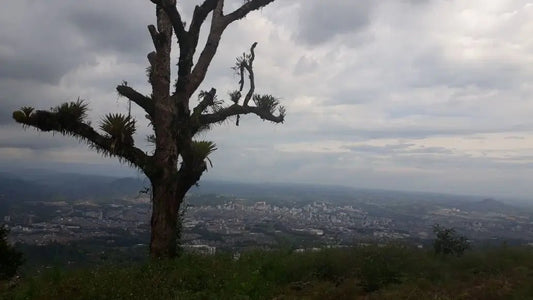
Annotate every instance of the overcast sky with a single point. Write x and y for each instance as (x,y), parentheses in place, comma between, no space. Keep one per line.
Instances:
(427,95)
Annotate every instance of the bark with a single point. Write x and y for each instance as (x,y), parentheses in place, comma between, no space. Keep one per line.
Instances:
(165,195)
(167,198)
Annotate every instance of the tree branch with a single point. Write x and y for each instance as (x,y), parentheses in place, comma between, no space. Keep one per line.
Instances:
(189,175)
(152,58)
(245,9)
(59,122)
(188,49)
(215,33)
(169,6)
(218,25)
(265,105)
(235,109)
(159,70)
(199,16)
(156,37)
(207,100)
(141,100)
(249,67)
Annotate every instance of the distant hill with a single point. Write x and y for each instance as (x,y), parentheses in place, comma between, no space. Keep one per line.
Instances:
(64,186)
(489,205)
(15,189)
(42,185)
(314,192)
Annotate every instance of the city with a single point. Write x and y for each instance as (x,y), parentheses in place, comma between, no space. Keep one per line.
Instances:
(214,222)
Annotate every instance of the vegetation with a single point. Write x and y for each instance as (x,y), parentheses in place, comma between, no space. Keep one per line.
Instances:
(179,159)
(449,242)
(372,272)
(10,258)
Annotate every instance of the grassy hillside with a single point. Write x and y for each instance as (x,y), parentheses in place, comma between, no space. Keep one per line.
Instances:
(392,272)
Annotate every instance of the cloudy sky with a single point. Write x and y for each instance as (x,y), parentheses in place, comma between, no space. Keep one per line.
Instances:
(427,95)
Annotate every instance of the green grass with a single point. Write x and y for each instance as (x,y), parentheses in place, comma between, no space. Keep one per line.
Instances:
(392,272)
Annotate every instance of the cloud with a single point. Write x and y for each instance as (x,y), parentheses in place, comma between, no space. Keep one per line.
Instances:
(305,65)
(414,94)
(321,21)
(57,36)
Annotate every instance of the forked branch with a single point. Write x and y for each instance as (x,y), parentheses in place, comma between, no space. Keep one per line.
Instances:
(266,107)
(169,6)
(218,25)
(247,63)
(198,18)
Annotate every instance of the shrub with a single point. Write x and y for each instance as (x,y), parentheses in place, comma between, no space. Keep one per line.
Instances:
(448,241)
(10,259)
(383,266)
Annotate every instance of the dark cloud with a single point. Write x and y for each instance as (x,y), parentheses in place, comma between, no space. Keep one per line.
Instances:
(459,161)
(386,149)
(14,136)
(399,132)
(352,96)
(28,64)
(398,149)
(435,68)
(431,150)
(436,111)
(5,115)
(33,144)
(105,30)
(40,48)
(16,93)
(59,36)
(417,1)
(321,21)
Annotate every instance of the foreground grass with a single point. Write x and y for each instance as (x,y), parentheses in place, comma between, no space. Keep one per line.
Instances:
(392,272)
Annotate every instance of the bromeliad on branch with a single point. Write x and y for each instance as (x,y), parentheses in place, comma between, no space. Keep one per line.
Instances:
(179,160)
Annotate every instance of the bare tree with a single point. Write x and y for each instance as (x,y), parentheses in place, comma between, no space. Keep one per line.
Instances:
(178,160)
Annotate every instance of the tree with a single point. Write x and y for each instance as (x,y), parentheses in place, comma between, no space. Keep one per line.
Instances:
(448,241)
(178,160)
(10,259)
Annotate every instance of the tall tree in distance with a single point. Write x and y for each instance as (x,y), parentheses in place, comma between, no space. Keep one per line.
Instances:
(179,160)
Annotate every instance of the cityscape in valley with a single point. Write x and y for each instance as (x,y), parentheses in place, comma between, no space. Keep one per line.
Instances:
(234,217)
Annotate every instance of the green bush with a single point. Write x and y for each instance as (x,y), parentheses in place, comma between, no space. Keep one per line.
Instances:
(10,259)
(448,241)
(372,272)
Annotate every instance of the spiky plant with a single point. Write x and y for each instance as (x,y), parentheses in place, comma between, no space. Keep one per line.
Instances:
(268,103)
(120,128)
(202,150)
(27,110)
(71,113)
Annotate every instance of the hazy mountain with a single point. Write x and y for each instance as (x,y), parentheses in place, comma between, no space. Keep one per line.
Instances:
(53,186)
(42,185)
(16,189)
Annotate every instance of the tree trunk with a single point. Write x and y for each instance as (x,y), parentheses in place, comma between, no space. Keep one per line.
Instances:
(177,163)
(166,201)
